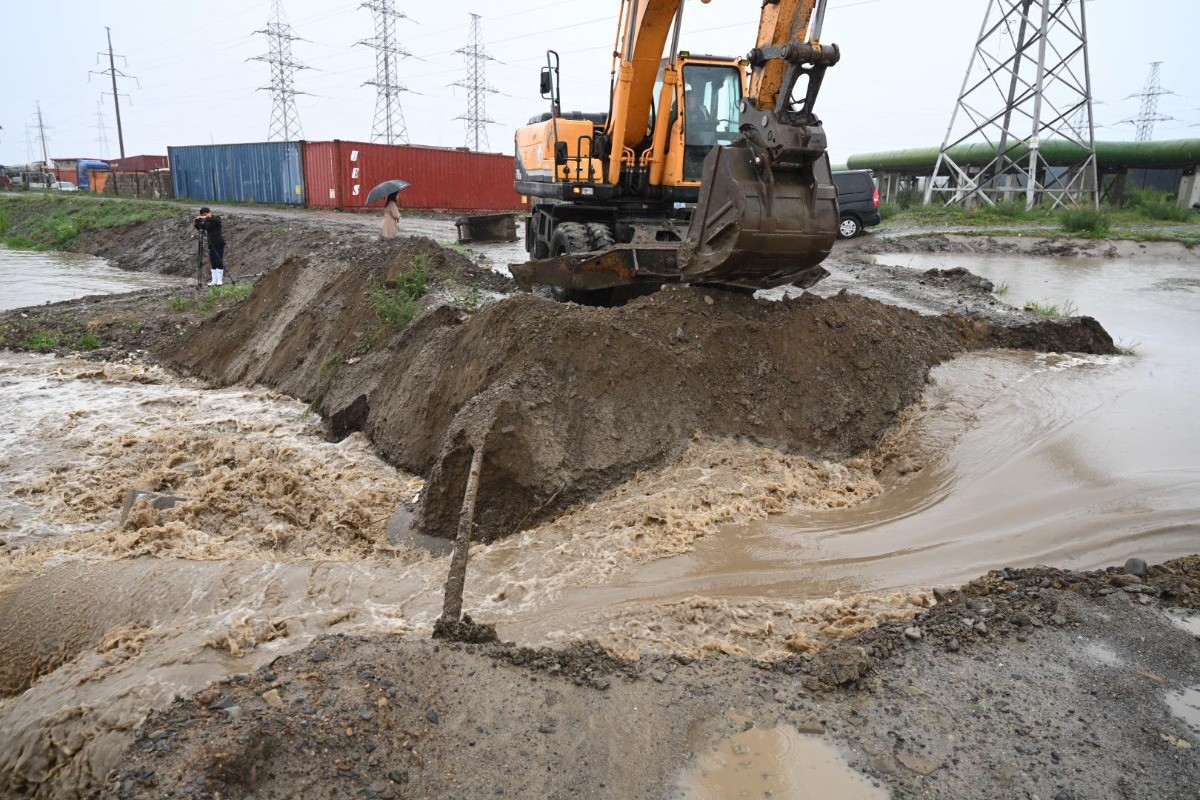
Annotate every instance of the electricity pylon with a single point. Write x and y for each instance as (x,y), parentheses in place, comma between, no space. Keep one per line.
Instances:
(285,122)
(1028,88)
(477,87)
(389,117)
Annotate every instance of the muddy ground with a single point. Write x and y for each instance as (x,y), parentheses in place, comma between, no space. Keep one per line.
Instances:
(1024,683)
(1054,689)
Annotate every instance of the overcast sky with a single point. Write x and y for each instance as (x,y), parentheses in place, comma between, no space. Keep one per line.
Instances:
(902,66)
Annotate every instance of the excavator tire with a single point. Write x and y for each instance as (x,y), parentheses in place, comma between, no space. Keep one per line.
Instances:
(569,237)
(600,236)
(579,237)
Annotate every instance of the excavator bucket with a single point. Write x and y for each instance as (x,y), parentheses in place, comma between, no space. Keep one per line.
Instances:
(759,226)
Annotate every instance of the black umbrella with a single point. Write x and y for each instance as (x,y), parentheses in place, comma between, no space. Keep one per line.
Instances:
(384,189)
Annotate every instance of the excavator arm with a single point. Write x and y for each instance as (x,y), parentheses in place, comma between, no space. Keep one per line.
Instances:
(767,212)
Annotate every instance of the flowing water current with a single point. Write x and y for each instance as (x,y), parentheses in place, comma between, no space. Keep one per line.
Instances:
(1010,459)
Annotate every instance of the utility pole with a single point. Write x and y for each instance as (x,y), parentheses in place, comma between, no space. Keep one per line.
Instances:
(1028,85)
(114,73)
(389,125)
(41,123)
(477,86)
(285,122)
(1148,115)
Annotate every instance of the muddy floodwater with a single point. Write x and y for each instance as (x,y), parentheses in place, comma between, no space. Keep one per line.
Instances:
(32,277)
(1011,458)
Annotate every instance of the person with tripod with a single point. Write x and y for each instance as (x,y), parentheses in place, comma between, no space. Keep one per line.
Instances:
(209,227)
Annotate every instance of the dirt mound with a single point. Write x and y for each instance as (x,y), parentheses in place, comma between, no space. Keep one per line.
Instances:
(309,315)
(567,401)
(254,245)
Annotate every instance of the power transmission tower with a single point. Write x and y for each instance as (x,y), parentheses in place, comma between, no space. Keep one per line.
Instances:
(1026,99)
(477,86)
(285,122)
(389,117)
(101,130)
(1148,115)
(114,73)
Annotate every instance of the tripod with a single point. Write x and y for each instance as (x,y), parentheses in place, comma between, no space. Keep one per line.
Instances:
(201,249)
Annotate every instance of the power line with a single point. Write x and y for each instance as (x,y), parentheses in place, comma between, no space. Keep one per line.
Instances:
(113,73)
(477,87)
(285,122)
(388,126)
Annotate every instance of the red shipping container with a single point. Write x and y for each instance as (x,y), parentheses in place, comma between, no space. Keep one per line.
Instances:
(340,174)
(139,163)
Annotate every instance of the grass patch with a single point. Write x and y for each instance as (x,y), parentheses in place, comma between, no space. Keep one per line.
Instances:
(466,298)
(1084,220)
(1049,309)
(1001,289)
(325,374)
(54,222)
(1166,211)
(456,247)
(86,342)
(1127,348)
(42,341)
(206,302)
(396,308)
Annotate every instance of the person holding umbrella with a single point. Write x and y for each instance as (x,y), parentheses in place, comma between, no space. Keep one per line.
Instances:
(391,218)
(390,228)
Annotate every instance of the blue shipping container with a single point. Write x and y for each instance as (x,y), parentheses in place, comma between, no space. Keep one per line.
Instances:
(265,172)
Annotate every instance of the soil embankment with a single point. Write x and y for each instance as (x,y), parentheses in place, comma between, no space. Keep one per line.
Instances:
(567,401)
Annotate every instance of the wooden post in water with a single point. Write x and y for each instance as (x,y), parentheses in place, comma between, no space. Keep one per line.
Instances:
(456,581)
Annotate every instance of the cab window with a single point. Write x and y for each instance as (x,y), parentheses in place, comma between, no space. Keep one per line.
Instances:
(712,95)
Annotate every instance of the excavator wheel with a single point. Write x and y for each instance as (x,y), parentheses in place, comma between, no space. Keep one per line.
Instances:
(600,236)
(580,237)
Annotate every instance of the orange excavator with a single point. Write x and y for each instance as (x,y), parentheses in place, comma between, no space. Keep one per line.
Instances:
(704,170)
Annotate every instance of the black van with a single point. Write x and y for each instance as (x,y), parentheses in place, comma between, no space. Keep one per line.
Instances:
(858,201)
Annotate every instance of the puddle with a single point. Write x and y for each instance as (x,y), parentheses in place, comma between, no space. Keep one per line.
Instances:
(778,763)
(1185,704)
(1186,620)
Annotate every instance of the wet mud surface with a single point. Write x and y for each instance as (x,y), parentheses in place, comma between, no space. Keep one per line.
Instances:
(283,644)
(1029,682)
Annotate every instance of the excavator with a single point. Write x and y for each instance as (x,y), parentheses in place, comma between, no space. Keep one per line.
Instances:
(705,170)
